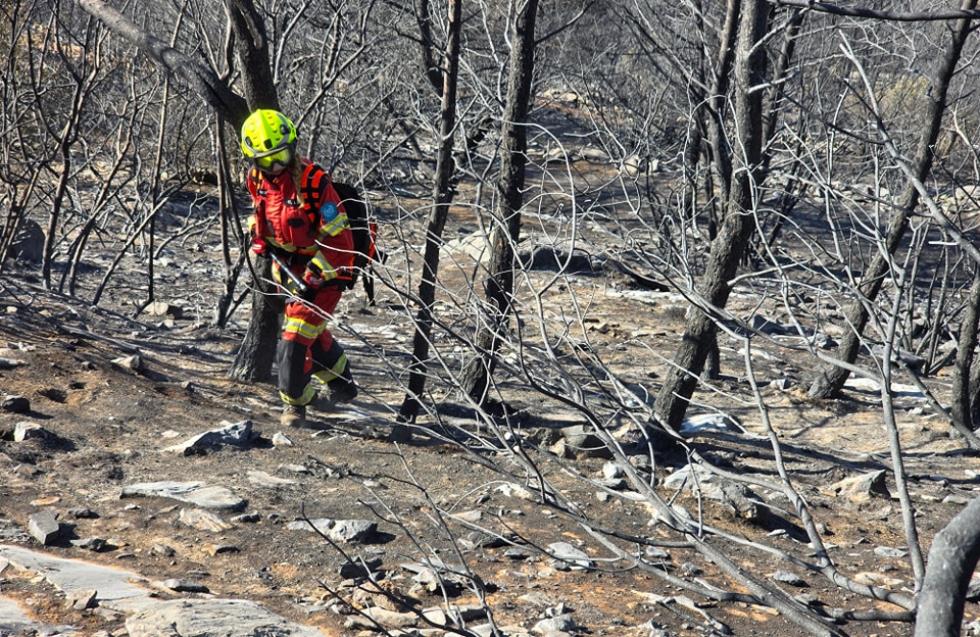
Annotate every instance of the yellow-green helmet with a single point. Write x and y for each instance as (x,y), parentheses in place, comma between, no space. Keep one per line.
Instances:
(268,137)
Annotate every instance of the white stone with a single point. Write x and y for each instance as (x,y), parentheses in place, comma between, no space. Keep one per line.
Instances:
(190,492)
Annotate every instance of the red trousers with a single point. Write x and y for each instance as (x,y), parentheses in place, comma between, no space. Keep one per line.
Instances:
(308,350)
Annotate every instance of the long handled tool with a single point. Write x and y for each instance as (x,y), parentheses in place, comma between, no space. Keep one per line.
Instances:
(304,290)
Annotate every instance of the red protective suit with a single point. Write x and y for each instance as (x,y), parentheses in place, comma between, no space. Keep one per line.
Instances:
(308,230)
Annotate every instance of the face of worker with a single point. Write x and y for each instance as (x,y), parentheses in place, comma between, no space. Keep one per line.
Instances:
(276,163)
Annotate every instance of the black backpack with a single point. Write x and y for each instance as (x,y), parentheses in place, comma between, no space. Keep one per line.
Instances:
(364,231)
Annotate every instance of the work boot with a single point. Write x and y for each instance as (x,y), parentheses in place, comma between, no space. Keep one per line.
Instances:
(342,391)
(293,416)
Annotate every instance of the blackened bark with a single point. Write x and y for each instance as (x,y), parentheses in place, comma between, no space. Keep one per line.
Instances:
(442,197)
(720,149)
(510,198)
(952,558)
(961,407)
(253,362)
(253,55)
(432,70)
(739,222)
(831,378)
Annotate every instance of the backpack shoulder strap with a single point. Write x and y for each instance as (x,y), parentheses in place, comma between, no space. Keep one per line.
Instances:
(313,184)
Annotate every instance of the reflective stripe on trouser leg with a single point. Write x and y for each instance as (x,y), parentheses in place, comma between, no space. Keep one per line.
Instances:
(295,387)
(336,371)
(298,329)
(304,326)
(329,360)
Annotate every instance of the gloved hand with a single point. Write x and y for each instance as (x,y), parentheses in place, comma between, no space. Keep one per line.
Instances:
(259,246)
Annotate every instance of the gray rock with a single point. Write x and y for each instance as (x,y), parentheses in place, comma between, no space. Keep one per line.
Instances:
(690,569)
(568,557)
(83,513)
(14,621)
(516,553)
(782,384)
(279,439)
(554,259)
(202,520)
(80,600)
(27,430)
(356,569)
(213,618)
(164,309)
(340,531)
(185,586)
(132,363)
(653,629)
(237,434)
(220,498)
(263,479)
(956,499)
(707,483)
(43,527)
(219,549)
(28,244)
(10,363)
(114,585)
(705,423)
(387,618)
(96,544)
(561,623)
(862,488)
(788,578)
(580,441)
(163,550)
(15,404)
(972,591)
(472,516)
(612,471)
(887,551)
(656,553)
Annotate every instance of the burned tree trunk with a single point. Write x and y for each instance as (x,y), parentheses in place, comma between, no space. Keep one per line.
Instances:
(962,398)
(718,99)
(253,362)
(831,378)
(952,558)
(739,223)
(442,196)
(507,224)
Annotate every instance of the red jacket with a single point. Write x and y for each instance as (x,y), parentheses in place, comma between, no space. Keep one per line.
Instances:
(316,228)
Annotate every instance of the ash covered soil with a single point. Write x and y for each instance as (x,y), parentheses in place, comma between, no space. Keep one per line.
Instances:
(452,502)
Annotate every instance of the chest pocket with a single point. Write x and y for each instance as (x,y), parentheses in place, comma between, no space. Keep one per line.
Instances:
(296,225)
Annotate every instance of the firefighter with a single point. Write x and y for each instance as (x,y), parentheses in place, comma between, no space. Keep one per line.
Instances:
(300,220)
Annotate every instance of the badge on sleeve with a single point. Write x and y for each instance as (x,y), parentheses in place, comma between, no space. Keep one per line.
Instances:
(329,211)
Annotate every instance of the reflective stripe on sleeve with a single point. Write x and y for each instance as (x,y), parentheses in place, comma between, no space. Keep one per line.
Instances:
(334,227)
(327,271)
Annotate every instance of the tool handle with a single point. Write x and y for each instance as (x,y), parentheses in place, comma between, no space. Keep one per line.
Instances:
(304,290)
